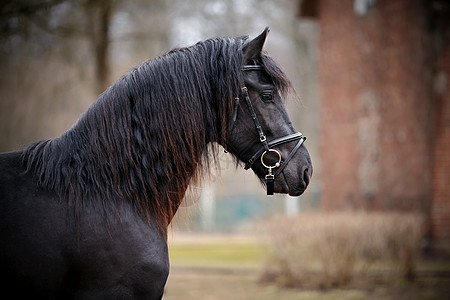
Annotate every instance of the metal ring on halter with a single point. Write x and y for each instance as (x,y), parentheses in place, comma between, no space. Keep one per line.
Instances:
(277,164)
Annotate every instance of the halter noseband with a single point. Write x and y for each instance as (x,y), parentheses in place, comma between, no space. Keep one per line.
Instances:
(267,146)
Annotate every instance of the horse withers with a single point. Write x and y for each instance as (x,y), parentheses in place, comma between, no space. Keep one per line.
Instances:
(85,215)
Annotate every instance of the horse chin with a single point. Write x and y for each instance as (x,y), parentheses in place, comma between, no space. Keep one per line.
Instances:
(292,183)
(296,192)
(283,188)
(287,185)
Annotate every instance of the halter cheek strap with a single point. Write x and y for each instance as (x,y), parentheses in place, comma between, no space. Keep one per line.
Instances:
(262,136)
(267,146)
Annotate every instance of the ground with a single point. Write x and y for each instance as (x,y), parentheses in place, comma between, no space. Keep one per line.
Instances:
(229,267)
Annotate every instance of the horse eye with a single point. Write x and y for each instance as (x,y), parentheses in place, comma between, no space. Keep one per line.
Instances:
(267,96)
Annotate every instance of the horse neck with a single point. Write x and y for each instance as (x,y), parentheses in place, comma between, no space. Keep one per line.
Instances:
(149,162)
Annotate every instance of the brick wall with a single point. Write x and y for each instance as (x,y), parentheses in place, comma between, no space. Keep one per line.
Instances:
(385,109)
(375,106)
(440,210)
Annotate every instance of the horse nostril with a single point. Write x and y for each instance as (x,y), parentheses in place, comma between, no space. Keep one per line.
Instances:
(306,176)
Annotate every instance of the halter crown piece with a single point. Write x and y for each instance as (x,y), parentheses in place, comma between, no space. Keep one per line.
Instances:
(266,148)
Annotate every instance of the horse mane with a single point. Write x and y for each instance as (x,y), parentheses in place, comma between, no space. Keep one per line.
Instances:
(147,137)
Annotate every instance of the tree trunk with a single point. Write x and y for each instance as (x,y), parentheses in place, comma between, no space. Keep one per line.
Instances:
(99,18)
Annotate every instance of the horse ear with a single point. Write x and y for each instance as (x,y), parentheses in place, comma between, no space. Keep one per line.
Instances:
(252,49)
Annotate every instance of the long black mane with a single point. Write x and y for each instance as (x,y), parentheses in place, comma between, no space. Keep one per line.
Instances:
(146,137)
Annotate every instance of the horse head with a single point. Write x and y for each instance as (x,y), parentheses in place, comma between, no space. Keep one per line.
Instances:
(262,135)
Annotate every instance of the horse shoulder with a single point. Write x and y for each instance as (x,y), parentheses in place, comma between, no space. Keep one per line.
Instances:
(50,249)
(31,259)
(119,256)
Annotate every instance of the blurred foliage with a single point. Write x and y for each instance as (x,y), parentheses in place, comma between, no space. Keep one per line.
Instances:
(55,57)
(323,250)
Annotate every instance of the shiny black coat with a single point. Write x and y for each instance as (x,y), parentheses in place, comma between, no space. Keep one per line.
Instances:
(50,252)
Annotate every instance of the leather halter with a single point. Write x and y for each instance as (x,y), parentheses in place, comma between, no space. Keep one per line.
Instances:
(266,145)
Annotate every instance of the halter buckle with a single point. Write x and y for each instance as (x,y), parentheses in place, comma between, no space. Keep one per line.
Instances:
(270,178)
(270,181)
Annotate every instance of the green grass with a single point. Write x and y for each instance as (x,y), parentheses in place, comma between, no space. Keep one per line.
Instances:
(216,254)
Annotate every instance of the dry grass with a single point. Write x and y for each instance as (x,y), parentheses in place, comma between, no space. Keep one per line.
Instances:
(336,249)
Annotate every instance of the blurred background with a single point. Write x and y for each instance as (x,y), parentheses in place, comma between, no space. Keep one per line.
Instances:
(372,78)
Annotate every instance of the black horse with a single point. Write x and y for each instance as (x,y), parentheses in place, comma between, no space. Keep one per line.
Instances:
(85,215)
